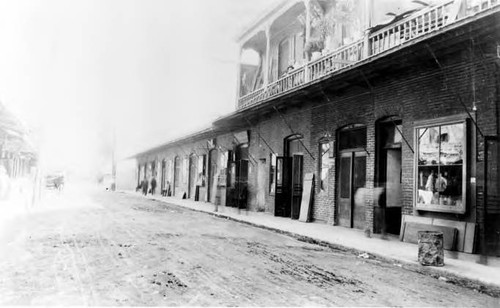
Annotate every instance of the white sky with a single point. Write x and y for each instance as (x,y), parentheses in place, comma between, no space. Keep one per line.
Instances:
(153,69)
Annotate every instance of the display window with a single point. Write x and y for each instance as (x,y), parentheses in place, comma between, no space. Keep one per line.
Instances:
(441,167)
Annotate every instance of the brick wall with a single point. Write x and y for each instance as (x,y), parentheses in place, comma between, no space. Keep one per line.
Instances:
(416,92)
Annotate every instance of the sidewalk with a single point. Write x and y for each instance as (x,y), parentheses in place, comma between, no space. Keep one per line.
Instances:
(459,267)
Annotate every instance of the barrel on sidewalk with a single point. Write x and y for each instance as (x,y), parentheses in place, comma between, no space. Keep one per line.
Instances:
(430,248)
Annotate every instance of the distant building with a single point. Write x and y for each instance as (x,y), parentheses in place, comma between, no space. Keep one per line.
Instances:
(17,154)
(398,120)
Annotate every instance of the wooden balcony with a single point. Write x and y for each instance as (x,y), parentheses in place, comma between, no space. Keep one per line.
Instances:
(421,23)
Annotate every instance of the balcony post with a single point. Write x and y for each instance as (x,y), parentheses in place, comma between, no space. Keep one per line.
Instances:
(366,44)
(268,56)
(308,37)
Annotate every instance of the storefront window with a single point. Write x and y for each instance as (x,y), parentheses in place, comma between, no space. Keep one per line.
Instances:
(441,170)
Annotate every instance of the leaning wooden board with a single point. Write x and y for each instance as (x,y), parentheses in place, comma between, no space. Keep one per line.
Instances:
(307,195)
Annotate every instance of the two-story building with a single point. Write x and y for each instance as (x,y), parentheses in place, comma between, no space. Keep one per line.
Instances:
(392,106)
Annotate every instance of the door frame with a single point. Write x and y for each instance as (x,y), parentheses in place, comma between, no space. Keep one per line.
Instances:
(352,151)
(381,222)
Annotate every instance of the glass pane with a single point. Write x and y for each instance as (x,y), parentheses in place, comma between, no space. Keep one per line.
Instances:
(397,135)
(231,176)
(452,138)
(345,175)
(294,147)
(449,185)
(428,146)
(279,172)
(428,185)
(359,172)
(352,138)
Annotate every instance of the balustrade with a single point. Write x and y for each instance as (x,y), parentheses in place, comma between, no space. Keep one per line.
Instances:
(417,24)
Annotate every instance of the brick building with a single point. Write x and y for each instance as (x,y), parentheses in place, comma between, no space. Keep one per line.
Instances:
(397,120)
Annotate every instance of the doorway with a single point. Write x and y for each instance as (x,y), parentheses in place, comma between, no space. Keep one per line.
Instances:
(177,173)
(289,178)
(352,177)
(163,175)
(389,177)
(192,175)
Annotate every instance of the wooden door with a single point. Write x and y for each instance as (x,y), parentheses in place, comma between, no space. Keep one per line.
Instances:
(282,194)
(296,185)
(352,182)
(359,189)
(345,194)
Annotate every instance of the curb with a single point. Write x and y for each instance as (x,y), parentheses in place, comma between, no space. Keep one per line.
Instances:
(435,272)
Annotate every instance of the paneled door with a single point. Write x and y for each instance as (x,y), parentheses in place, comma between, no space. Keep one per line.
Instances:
(351,196)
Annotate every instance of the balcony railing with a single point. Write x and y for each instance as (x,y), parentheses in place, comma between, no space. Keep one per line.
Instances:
(337,60)
(396,34)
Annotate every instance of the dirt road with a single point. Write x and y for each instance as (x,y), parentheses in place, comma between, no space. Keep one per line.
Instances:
(103,248)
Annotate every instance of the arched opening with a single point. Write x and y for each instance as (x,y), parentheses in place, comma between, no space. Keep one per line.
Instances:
(289,178)
(351,176)
(388,174)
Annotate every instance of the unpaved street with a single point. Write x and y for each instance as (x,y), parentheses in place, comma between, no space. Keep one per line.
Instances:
(103,248)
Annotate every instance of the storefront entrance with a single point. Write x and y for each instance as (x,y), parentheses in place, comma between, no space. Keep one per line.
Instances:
(352,177)
(289,179)
(237,180)
(389,175)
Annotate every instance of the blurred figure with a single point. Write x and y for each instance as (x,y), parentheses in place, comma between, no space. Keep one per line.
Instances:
(144,186)
(153,185)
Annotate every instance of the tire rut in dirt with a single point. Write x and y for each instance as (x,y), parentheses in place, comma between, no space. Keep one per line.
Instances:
(300,269)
